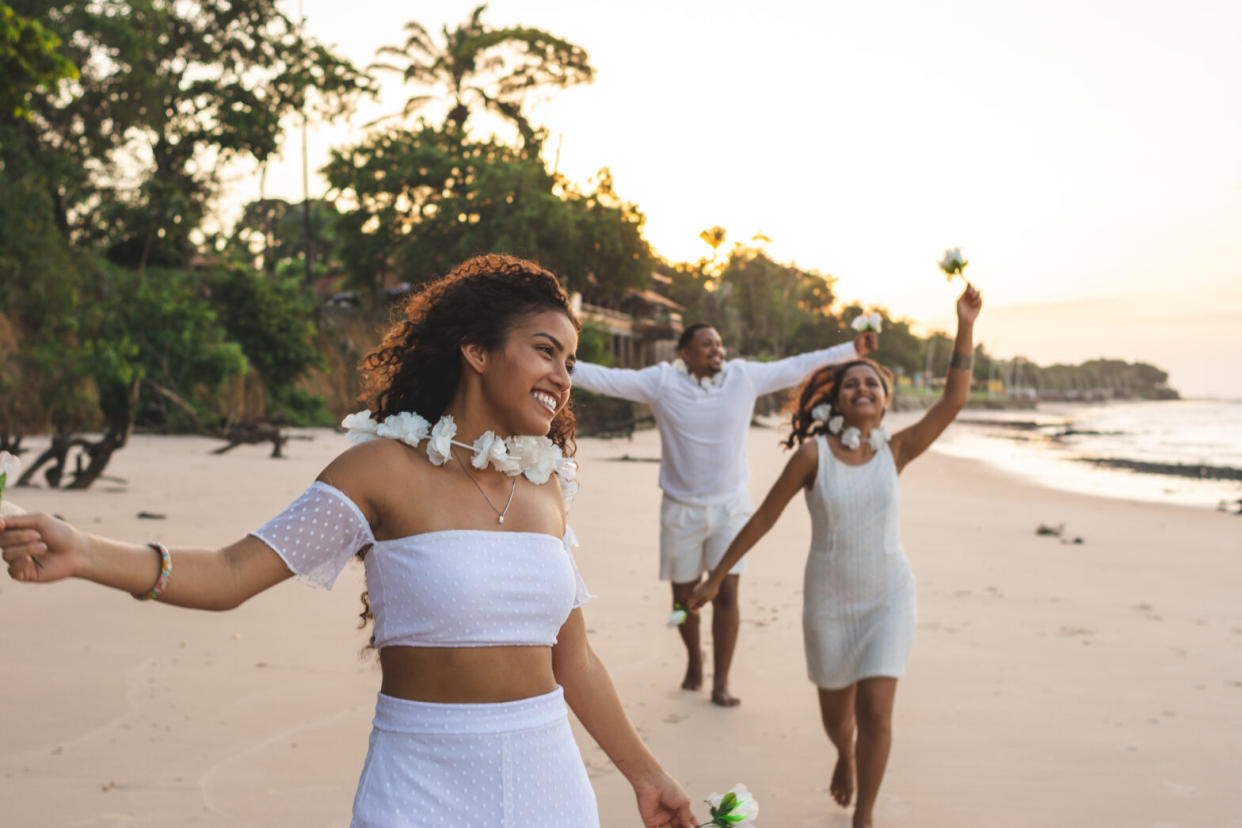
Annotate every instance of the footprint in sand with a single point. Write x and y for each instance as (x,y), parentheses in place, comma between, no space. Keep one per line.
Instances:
(1071,632)
(675,718)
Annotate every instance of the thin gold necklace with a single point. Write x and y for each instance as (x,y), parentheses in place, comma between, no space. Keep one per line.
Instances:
(500,513)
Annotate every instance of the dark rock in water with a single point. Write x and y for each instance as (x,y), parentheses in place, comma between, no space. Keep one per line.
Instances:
(1200,471)
(1053,531)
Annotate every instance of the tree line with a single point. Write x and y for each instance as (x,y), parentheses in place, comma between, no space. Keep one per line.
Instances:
(128,303)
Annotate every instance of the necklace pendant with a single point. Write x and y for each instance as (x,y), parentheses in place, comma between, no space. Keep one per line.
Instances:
(500,519)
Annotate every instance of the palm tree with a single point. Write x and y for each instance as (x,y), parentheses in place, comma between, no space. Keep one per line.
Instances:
(486,68)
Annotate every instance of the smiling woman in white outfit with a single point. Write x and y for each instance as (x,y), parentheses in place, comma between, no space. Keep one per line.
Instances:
(470,573)
(858,614)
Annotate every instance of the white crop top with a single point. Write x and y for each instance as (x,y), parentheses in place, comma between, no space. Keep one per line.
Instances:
(452,588)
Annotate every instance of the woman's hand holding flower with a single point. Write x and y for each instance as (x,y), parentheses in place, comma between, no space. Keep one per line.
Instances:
(663,804)
(39,548)
(968,305)
(703,594)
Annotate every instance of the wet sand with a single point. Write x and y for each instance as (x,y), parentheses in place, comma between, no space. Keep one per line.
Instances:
(1051,683)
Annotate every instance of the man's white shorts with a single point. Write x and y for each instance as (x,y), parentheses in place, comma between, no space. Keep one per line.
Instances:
(693,539)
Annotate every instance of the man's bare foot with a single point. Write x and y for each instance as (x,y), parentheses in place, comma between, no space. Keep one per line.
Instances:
(722,697)
(860,821)
(842,785)
(694,678)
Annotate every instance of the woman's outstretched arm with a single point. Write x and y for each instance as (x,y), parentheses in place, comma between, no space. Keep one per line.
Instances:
(39,548)
(798,473)
(590,693)
(910,442)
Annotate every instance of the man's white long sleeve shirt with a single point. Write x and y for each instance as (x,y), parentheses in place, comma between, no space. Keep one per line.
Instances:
(703,430)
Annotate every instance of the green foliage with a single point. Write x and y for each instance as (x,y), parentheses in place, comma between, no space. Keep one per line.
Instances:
(485,68)
(593,344)
(272,322)
(428,199)
(30,58)
(271,234)
(168,91)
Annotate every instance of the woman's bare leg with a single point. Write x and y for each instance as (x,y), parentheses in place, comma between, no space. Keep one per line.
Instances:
(836,710)
(726,619)
(873,710)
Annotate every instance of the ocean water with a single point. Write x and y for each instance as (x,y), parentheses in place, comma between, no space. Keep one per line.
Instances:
(1054,444)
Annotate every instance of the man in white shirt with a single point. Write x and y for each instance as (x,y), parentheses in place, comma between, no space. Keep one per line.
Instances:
(703,407)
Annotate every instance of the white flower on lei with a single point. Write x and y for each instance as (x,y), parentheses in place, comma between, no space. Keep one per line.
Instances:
(406,426)
(492,449)
(737,807)
(360,427)
(851,438)
(440,446)
(867,322)
(821,412)
(836,424)
(877,438)
(706,383)
(537,456)
(567,473)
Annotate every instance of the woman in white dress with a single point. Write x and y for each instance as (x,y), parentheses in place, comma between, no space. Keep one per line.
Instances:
(858,597)
(470,573)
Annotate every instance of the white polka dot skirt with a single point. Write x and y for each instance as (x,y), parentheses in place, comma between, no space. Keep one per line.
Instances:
(468,765)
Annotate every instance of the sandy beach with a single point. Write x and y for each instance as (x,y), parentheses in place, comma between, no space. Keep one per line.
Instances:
(1093,684)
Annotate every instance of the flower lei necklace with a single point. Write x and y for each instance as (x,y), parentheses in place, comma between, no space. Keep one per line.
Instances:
(706,383)
(537,458)
(851,437)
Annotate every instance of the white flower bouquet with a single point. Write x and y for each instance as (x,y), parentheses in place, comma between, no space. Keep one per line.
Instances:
(737,807)
(953,263)
(867,322)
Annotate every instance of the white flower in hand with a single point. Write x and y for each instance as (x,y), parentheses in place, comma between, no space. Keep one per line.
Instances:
(360,427)
(851,438)
(821,412)
(10,466)
(953,263)
(678,616)
(407,427)
(440,446)
(867,322)
(737,807)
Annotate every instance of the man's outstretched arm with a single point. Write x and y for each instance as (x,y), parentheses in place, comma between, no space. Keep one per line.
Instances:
(628,384)
(788,372)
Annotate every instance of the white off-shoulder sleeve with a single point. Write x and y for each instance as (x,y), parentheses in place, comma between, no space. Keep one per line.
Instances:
(317,534)
(581,593)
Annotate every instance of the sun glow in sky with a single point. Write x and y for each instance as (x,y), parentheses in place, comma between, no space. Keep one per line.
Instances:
(1087,156)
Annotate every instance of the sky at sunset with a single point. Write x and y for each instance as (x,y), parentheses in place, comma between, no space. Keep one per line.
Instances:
(1086,156)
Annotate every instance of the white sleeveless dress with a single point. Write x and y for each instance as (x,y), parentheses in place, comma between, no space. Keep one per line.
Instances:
(858,613)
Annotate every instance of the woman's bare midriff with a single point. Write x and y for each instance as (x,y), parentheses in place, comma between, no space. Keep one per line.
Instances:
(466,675)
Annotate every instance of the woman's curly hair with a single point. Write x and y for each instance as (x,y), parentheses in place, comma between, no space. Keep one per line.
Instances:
(418,365)
(823,386)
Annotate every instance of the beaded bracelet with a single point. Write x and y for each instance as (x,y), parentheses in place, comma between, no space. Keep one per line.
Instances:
(165,573)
